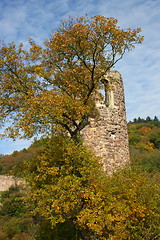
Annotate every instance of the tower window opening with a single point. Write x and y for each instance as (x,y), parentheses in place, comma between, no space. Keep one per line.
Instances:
(106,92)
(106,98)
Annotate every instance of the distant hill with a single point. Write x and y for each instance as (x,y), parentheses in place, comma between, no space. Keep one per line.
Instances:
(144,135)
(7,162)
(144,142)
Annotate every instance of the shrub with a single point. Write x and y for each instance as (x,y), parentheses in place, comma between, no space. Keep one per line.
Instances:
(1,168)
(11,227)
(68,186)
(3,236)
(12,203)
(147,160)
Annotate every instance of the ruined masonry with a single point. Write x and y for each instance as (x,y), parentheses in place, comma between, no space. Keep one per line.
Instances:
(7,181)
(108,135)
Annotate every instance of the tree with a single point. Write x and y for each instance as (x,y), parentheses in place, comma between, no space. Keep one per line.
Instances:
(53,87)
(61,178)
(16,221)
(148,119)
(156,119)
(140,120)
(69,189)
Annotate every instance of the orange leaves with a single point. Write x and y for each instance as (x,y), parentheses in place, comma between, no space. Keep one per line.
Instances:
(144,130)
(144,136)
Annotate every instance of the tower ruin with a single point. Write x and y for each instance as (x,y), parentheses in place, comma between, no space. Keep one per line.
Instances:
(108,135)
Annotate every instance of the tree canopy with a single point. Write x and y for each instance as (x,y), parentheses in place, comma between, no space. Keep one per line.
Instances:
(69,188)
(52,87)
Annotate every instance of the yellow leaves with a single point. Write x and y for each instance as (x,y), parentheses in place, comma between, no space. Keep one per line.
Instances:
(67,184)
(54,85)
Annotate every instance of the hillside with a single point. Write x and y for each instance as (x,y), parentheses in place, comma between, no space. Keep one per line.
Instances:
(144,142)
(8,162)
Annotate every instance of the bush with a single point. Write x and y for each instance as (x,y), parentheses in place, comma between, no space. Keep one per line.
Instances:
(12,203)
(3,236)
(22,236)
(1,168)
(11,227)
(15,220)
(71,192)
(147,160)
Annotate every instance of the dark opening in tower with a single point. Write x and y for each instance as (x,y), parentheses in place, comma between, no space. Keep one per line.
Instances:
(108,93)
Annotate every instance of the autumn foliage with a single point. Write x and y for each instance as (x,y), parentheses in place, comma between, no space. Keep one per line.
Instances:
(144,141)
(53,87)
(69,188)
(70,197)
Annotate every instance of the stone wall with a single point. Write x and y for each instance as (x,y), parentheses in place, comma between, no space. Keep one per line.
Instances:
(108,135)
(7,181)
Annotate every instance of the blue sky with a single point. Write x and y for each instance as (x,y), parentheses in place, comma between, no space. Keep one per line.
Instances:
(140,69)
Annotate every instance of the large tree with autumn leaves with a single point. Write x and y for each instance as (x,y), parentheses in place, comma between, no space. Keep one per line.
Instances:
(53,87)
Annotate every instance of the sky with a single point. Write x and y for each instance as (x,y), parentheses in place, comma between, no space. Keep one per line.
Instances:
(140,68)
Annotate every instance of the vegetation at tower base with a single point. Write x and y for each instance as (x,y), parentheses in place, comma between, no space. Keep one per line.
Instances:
(67,182)
(71,198)
(15,221)
(53,87)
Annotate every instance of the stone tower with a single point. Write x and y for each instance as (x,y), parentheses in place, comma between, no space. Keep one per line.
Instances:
(108,135)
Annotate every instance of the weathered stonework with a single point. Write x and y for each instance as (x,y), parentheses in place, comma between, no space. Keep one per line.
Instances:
(7,181)
(108,135)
